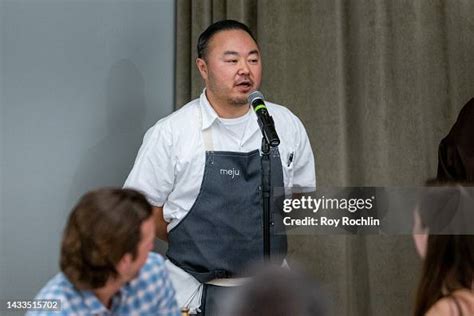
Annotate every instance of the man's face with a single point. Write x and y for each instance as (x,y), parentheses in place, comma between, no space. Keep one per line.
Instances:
(144,247)
(231,68)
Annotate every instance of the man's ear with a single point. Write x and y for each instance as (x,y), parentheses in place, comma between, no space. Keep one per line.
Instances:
(123,266)
(202,67)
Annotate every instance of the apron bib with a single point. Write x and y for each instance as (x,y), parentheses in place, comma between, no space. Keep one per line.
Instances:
(222,234)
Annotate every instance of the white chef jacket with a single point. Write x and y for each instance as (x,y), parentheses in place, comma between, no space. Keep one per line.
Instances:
(170,164)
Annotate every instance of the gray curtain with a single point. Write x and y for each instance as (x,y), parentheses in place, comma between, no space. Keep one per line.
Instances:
(377,85)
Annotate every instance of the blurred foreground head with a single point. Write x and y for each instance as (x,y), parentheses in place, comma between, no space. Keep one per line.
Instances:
(444,237)
(276,291)
(104,227)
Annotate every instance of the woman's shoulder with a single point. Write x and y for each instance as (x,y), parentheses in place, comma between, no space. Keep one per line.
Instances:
(448,305)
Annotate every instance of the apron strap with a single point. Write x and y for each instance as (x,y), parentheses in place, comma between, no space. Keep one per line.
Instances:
(206,134)
(229,281)
(207,138)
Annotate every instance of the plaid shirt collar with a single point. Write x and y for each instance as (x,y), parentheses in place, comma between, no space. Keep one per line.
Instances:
(96,307)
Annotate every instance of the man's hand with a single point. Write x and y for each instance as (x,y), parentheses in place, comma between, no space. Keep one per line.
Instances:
(161,224)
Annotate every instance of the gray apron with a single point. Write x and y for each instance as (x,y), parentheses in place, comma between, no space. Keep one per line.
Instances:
(222,235)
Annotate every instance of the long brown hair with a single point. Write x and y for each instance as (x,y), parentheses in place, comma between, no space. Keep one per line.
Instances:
(449,261)
(103,227)
(448,265)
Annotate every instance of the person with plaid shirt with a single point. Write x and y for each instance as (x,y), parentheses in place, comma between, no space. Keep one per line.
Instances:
(106,264)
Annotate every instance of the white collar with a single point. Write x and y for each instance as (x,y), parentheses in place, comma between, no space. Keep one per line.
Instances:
(209,115)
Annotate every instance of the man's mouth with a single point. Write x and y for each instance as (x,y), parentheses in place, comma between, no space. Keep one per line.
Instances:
(244,84)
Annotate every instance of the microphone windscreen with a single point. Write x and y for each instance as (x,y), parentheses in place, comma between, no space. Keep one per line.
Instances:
(254,96)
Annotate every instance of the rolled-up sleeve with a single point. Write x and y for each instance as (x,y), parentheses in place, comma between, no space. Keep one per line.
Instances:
(153,172)
(304,166)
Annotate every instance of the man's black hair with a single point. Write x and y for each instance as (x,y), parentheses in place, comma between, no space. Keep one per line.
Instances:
(216,27)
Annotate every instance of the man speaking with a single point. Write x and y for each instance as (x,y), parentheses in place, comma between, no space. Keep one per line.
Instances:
(201,169)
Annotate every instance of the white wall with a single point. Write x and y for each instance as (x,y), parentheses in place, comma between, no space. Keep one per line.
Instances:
(81,81)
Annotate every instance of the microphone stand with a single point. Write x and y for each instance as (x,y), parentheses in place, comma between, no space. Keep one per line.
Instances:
(269,139)
(266,195)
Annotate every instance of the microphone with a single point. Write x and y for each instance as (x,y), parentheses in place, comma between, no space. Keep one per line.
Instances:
(265,121)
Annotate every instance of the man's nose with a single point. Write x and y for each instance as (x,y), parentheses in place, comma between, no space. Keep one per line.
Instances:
(244,68)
